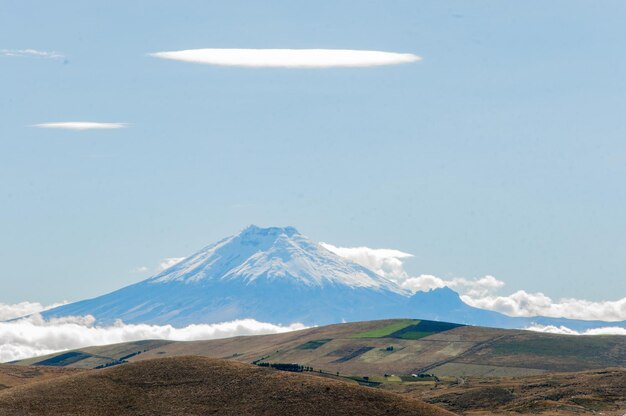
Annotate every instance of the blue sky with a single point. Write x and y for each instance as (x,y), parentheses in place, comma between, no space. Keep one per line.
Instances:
(502,152)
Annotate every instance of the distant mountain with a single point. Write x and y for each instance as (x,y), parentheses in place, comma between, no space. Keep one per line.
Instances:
(278,275)
(445,304)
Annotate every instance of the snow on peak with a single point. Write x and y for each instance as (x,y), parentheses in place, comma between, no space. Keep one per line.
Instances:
(272,253)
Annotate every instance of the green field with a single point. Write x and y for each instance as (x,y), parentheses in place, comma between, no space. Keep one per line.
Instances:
(414,335)
(412,329)
(423,329)
(386,331)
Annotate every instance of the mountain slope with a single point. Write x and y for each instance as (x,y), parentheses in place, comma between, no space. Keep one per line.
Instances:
(274,254)
(198,385)
(278,275)
(269,274)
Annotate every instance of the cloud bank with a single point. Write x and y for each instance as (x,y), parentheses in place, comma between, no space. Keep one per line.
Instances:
(36,336)
(482,292)
(288,58)
(522,303)
(563,330)
(31,53)
(81,125)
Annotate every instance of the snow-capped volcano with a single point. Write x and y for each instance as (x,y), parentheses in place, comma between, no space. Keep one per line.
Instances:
(275,254)
(278,275)
(270,274)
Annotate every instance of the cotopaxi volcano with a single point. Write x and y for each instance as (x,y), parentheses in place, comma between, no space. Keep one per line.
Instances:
(278,275)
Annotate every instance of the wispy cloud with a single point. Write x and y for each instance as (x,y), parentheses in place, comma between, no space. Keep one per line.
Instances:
(169,262)
(35,336)
(81,125)
(288,58)
(17,310)
(482,292)
(164,264)
(31,53)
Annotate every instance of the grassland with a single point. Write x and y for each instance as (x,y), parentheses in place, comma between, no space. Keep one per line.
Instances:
(408,329)
(314,344)
(383,354)
(376,348)
(589,392)
(17,375)
(554,346)
(203,386)
(387,330)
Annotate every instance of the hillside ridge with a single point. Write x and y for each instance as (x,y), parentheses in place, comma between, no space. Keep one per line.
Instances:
(200,385)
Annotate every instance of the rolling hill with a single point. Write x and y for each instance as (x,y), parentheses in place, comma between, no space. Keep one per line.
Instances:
(376,348)
(14,375)
(585,392)
(200,385)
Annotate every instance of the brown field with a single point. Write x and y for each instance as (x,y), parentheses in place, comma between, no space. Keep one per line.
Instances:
(589,392)
(202,386)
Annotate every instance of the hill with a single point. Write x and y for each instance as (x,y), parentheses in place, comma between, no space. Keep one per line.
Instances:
(376,348)
(278,275)
(13,375)
(198,385)
(588,392)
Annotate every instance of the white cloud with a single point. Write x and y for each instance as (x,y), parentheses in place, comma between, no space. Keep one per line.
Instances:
(470,287)
(522,303)
(169,262)
(31,53)
(482,292)
(385,262)
(423,283)
(563,330)
(389,263)
(35,336)
(288,58)
(163,265)
(17,310)
(81,125)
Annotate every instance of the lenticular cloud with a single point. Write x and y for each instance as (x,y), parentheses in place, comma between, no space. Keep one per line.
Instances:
(81,125)
(34,336)
(289,58)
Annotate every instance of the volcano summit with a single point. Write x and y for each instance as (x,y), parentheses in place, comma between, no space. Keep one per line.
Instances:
(278,275)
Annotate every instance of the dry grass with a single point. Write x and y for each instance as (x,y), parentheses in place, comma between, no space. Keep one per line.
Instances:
(201,386)
(14,375)
(464,351)
(588,392)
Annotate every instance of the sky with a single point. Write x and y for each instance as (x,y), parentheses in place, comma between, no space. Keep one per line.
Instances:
(498,150)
